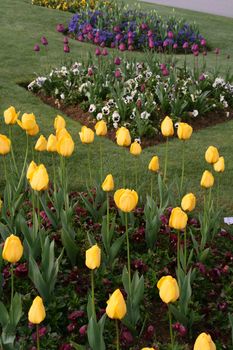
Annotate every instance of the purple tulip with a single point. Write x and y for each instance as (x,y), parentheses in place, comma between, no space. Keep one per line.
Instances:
(66,347)
(202,77)
(90,72)
(126,338)
(36,48)
(80,37)
(113,45)
(196,53)
(194,47)
(118,37)
(144,26)
(165,43)
(130,41)
(71,327)
(66,40)
(60,28)
(105,52)
(170,35)
(175,46)
(122,47)
(96,40)
(149,33)
(165,72)
(83,330)
(185,45)
(66,48)
(130,34)
(116,29)
(97,51)
(151,44)
(162,66)
(203,42)
(117,61)
(44,41)
(117,73)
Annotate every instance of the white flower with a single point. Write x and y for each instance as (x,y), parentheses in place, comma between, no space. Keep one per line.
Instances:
(116,117)
(31,85)
(176,125)
(106,110)
(145,115)
(221,98)
(195,113)
(62,96)
(225,104)
(111,103)
(227,114)
(56,91)
(99,116)
(68,83)
(92,108)
(115,125)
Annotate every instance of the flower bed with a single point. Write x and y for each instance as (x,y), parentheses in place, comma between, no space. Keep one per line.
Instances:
(66,5)
(134,30)
(135,94)
(71,251)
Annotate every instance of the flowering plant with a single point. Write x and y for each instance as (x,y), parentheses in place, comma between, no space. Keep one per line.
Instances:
(66,5)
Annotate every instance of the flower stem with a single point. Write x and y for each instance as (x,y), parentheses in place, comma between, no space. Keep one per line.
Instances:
(166,160)
(93,294)
(182,173)
(136,174)
(170,327)
(101,160)
(185,250)
(12,151)
(37,337)
(89,163)
(128,251)
(12,284)
(178,252)
(108,218)
(117,336)
(124,181)
(54,173)
(151,185)
(24,164)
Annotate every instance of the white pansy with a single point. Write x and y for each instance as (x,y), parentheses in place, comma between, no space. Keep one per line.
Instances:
(92,108)
(115,125)
(116,117)
(106,110)
(145,115)
(99,116)
(62,96)
(195,113)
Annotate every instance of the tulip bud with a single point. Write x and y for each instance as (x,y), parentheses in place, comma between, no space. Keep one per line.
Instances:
(86,135)
(12,250)
(219,166)
(10,115)
(178,219)
(211,155)
(108,184)
(5,145)
(93,257)
(135,149)
(154,164)
(207,179)
(168,289)
(116,306)
(41,144)
(126,200)
(39,179)
(188,202)
(167,128)
(31,169)
(65,146)
(37,313)
(101,128)
(204,342)
(184,131)
(123,137)
(148,349)
(52,143)
(59,122)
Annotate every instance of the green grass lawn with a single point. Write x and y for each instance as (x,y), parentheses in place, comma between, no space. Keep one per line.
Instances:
(23,25)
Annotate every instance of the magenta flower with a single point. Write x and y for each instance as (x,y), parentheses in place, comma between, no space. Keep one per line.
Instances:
(117,61)
(117,73)
(36,48)
(170,35)
(97,51)
(203,42)
(60,28)
(66,40)
(122,47)
(90,72)
(175,46)
(185,45)
(196,53)
(165,72)
(44,41)
(66,48)
(83,330)
(105,52)
(151,44)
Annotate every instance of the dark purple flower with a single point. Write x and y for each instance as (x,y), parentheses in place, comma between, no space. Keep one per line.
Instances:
(66,346)
(170,35)
(83,330)
(144,26)
(90,72)
(185,45)
(60,28)
(196,53)
(165,72)
(117,61)
(44,41)
(71,327)
(117,73)
(149,33)
(21,270)
(66,40)
(76,314)
(126,338)
(36,48)
(122,47)
(42,332)
(105,52)
(203,42)
(66,48)
(150,332)
(97,51)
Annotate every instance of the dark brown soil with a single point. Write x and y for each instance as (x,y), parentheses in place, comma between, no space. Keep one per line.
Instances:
(85,118)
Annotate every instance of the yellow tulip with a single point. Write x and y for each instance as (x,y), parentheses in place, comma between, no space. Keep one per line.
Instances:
(52,143)
(148,349)
(211,155)
(37,314)
(61,133)
(188,202)
(219,166)
(154,164)
(13,249)
(108,184)
(10,115)
(39,179)
(207,179)
(65,146)
(86,135)
(178,219)
(31,169)
(101,128)
(123,137)
(34,131)
(59,122)
(126,200)
(204,342)
(135,149)
(167,128)
(5,145)
(93,257)
(116,306)
(184,131)
(168,289)
(41,144)
(28,121)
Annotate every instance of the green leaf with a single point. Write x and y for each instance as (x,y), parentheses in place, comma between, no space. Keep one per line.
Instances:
(4,316)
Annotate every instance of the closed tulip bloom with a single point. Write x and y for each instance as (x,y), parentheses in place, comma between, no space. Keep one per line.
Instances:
(10,115)
(13,249)
(28,121)
(101,128)
(212,155)
(108,184)
(167,128)
(5,145)
(123,137)
(65,146)
(52,143)
(59,122)
(169,290)
(116,306)
(184,131)
(31,169)
(178,219)
(41,144)
(61,133)
(148,349)
(135,148)
(39,180)
(219,166)
(93,257)
(154,164)
(204,342)
(37,314)
(34,131)
(86,135)
(188,202)
(207,179)
(126,200)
